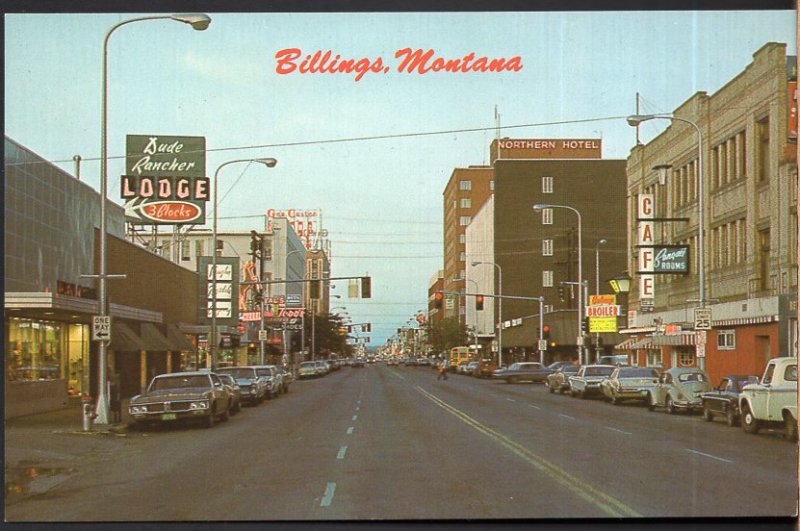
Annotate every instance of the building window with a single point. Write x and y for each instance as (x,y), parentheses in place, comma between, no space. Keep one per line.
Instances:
(547,247)
(465,185)
(266,248)
(35,350)
(462,257)
(464,220)
(466,203)
(491,185)
(547,216)
(547,308)
(654,358)
(763,259)
(547,185)
(726,340)
(686,358)
(199,247)
(462,238)
(185,245)
(741,156)
(762,149)
(547,279)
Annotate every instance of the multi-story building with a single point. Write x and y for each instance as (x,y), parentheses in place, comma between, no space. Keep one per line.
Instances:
(749,206)
(464,194)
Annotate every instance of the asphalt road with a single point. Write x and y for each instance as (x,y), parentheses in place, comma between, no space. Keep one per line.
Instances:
(394,443)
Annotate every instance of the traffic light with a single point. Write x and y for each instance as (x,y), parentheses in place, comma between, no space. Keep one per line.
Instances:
(255,244)
(561,293)
(366,287)
(546,336)
(438,300)
(313,289)
(479,302)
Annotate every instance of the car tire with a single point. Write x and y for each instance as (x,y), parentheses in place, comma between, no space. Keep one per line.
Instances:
(225,415)
(583,395)
(551,388)
(791,427)
(707,414)
(208,422)
(750,423)
(669,408)
(614,400)
(731,418)
(650,404)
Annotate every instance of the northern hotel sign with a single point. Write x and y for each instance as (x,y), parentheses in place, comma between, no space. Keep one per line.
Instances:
(165,179)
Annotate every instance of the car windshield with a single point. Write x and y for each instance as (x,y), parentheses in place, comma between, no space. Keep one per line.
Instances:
(227,378)
(570,368)
(692,377)
(263,371)
(598,371)
(308,364)
(238,372)
(179,382)
(637,372)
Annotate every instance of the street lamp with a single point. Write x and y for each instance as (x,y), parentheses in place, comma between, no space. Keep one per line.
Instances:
(634,120)
(198,21)
(602,241)
(269,163)
(499,310)
(622,285)
(579,337)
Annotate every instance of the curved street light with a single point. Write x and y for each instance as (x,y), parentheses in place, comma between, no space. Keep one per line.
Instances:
(198,21)
(499,310)
(269,163)
(582,358)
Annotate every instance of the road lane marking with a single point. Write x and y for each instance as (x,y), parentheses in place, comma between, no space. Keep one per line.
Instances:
(596,497)
(358,408)
(342,451)
(534,407)
(620,431)
(510,399)
(350,430)
(328,498)
(709,455)
(566,416)
(355,417)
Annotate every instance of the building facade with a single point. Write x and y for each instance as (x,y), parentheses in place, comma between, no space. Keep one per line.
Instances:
(749,206)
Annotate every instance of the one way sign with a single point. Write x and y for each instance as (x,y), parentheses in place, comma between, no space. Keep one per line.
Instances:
(101,328)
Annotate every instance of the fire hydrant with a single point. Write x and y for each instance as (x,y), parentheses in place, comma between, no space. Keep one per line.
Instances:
(87,407)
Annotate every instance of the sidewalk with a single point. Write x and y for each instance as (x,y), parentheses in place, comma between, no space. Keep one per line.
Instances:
(69,418)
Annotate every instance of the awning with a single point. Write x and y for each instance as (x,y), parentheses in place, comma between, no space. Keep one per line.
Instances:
(683,339)
(178,338)
(628,344)
(123,339)
(155,340)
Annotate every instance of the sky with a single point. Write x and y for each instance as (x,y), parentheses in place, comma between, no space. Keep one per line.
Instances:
(374,154)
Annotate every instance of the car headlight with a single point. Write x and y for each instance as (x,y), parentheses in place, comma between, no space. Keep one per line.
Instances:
(138,409)
(199,404)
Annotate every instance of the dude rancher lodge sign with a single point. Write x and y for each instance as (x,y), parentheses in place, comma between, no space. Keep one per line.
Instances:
(165,179)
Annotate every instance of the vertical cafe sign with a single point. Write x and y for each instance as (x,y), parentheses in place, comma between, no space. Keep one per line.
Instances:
(646,267)
(165,179)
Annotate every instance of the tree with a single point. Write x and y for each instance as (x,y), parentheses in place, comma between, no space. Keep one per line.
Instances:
(326,334)
(445,334)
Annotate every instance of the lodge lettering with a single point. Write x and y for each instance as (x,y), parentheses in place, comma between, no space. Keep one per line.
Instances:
(186,189)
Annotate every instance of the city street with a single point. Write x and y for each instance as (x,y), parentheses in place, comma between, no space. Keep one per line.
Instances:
(394,443)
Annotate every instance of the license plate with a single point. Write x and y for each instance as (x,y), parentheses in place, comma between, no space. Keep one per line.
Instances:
(168,416)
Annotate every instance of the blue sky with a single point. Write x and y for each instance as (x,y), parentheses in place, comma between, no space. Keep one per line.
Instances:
(381,199)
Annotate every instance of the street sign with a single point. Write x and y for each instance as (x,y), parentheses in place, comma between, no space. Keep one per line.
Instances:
(262,335)
(702,318)
(542,344)
(101,328)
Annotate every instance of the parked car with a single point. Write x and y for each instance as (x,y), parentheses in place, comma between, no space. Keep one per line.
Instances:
(586,381)
(523,371)
(307,369)
(253,388)
(171,397)
(424,361)
(629,383)
(679,389)
(236,392)
(273,378)
(772,401)
(471,368)
(724,399)
(286,377)
(616,359)
(485,368)
(461,368)
(559,379)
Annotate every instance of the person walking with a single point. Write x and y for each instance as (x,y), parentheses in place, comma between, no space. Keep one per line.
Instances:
(442,372)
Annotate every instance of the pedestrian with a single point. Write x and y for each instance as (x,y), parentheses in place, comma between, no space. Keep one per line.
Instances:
(442,372)
(115,402)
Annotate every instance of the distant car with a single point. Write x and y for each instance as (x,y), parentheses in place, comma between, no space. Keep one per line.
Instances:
(461,368)
(358,362)
(629,383)
(523,371)
(236,392)
(679,389)
(253,388)
(559,380)
(485,368)
(323,367)
(586,381)
(424,361)
(723,400)
(616,359)
(471,368)
(307,369)
(171,397)
(392,361)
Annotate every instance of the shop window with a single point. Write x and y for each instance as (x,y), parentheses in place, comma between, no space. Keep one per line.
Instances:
(686,358)
(654,358)
(34,350)
(726,340)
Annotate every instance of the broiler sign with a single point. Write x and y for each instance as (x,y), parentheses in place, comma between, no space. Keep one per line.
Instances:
(165,179)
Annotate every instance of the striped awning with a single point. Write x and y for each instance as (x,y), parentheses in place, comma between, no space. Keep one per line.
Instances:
(682,339)
(628,344)
(742,321)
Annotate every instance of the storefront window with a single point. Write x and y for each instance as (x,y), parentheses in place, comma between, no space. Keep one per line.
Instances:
(654,358)
(35,350)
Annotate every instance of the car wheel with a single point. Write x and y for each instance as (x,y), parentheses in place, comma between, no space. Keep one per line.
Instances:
(749,422)
(209,420)
(239,406)
(225,415)
(731,417)
(551,388)
(583,395)
(614,400)
(669,407)
(572,393)
(707,414)
(650,404)
(791,427)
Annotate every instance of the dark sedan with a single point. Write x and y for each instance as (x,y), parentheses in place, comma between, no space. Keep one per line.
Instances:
(723,400)
(236,392)
(523,371)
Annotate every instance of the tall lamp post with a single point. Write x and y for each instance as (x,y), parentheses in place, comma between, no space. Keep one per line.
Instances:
(499,310)
(269,163)
(602,241)
(634,121)
(582,358)
(474,328)
(199,22)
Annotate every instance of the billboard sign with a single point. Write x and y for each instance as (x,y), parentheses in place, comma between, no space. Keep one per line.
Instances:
(306,224)
(165,179)
(227,283)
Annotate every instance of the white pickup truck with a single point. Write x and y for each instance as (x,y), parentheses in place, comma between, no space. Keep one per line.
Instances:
(772,401)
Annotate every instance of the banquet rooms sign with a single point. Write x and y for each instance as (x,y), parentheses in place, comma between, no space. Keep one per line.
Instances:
(165,179)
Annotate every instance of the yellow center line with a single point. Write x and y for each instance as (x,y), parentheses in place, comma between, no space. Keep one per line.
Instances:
(603,501)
